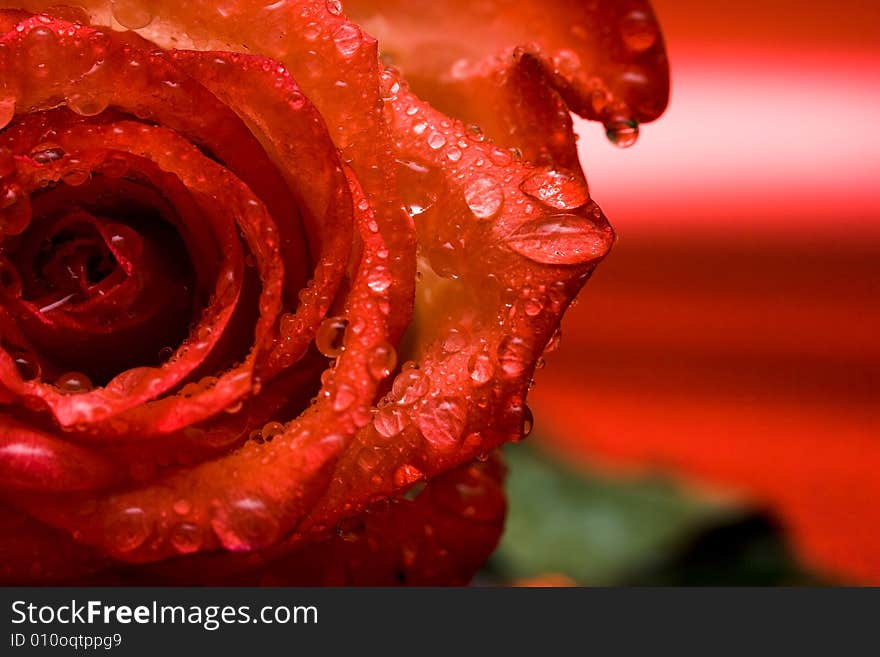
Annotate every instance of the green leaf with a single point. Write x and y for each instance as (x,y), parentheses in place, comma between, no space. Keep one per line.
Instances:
(603,530)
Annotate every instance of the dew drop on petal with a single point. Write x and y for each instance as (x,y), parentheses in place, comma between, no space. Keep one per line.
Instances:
(436,140)
(513,355)
(484,197)
(73,382)
(270,430)
(561,239)
(347,38)
(244,523)
(186,537)
(481,369)
(46,153)
(528,422)
(638,31)
(133,14)
(454,341)
(87,105)
(382,361)
(28,366)
(442,422)
(389,421)
(556,189)
(406,475)
(129,529)
(330,336)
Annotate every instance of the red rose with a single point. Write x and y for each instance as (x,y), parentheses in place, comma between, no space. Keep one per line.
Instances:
(197,216)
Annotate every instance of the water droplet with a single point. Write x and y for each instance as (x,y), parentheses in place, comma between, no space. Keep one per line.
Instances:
(453,154)
(484,197)
(132,14)
(330,336)
(553,342)
(410,385)
(418,185)
(380,280)
(73,382)
(513,355)
(129,529)
(406,475)
(442,422)
(638,31)
(270,430)
(28,366)
(436,140)
(334,7)
(481,369)
(7,111)
(186,537)
(46,153)
(556,189)
(390,421)
(347,38)
(561,239)
(475,132)
(622,132)
(87,105)
(528,422)
(454,341)
(382,361)
(244,523)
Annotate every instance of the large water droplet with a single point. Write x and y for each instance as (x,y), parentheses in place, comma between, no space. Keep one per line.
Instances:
(484,197)
(87,104)
(73,383)
(330,336)
(513,355)
(622,132)
(556,189)
(244,523)
(410,385)
(561,239)
(418,186)
(389,421)
(186,537)
(129,529)
(132,14)
(347,38)
(481,369)
(442,422)
(382,361)
(638,31)
(46,153)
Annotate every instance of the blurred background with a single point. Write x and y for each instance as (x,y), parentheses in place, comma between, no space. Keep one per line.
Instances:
(711,416)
